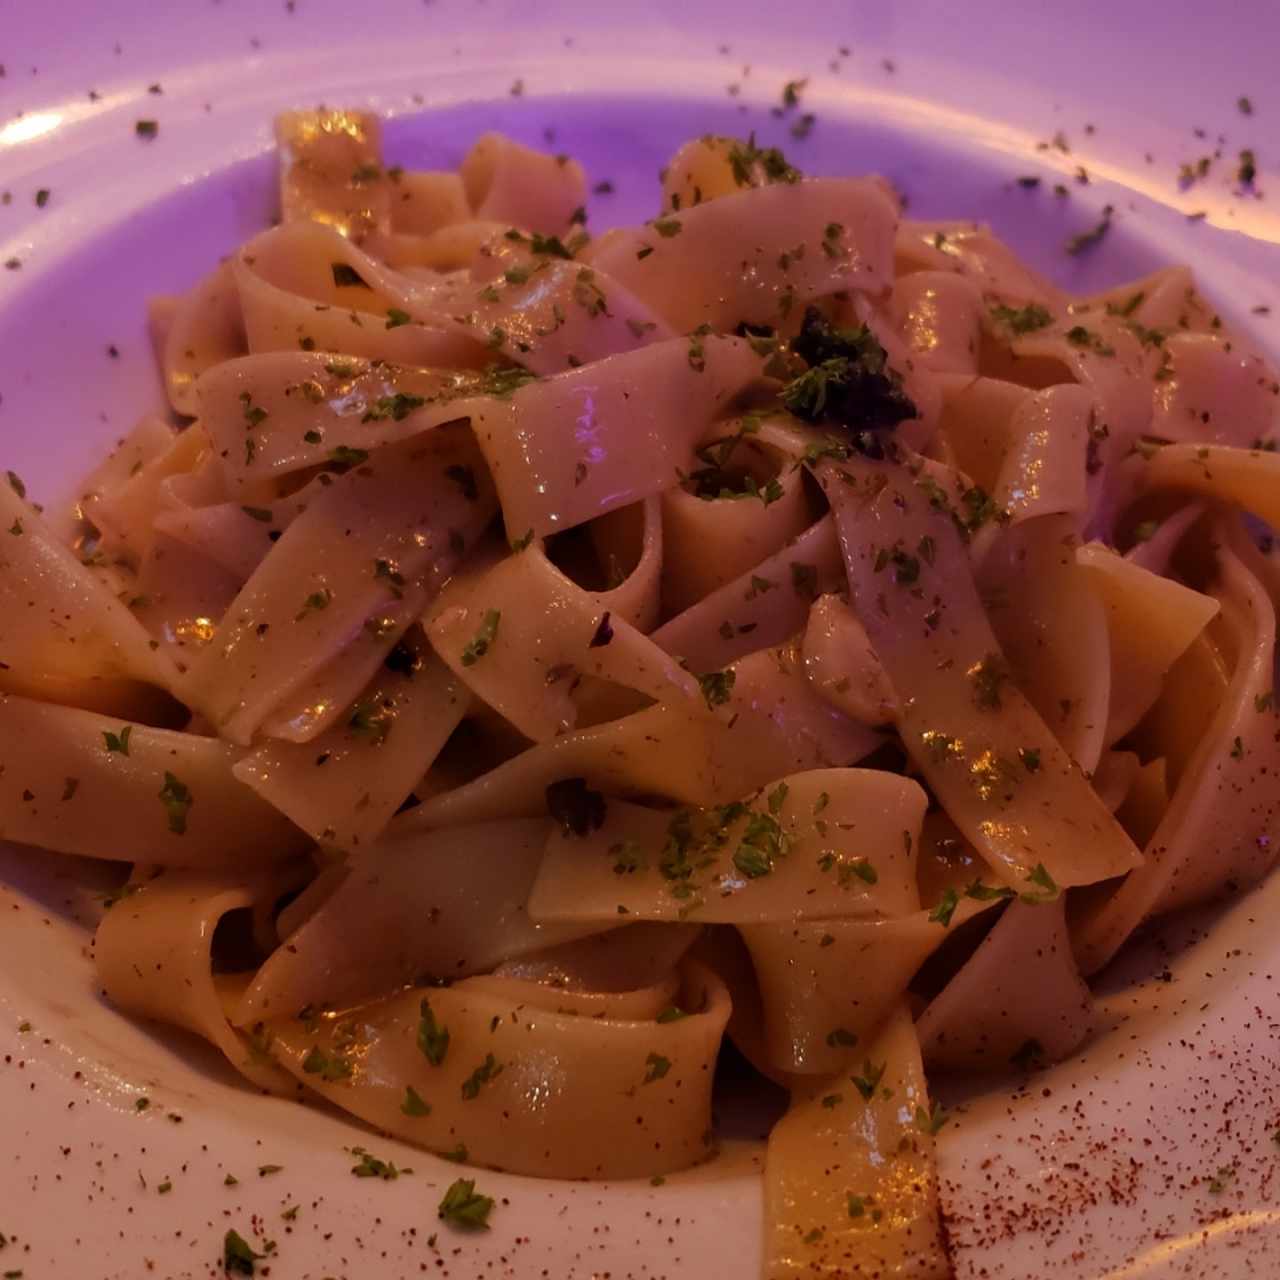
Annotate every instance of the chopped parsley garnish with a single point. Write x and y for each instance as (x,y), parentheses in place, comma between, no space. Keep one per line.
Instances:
(672,1013)
(1085,240)
(848,383)
(347,277)
(488,1070)
(316,601)
(253,415)
(237,1257)
(1129,306)
(413,1104)
(667,227)
(1047,888)
(369,1166)
(977,507)
(149,129)
(716,687)
(1248,169)
(396,317)
(118,742)
(658,1066)
(988,677)
(176,798)
(1022,319)
(1079,336)
(501,383)
(946,908)
(266,1170)
(980,892)
(462,1206)
(869,1081)
(372,719)
(344,457)
(752,862)
(330,1067)
(552,246)
(433,1038)
(791,93)
(841,1038)
(42,197)
(750,163)
(932,1120)
(261,514)
(575,806)
(396,407)
(479,644)
(15,483)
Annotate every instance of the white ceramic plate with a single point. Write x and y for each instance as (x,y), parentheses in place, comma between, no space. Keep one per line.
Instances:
(1100,1168)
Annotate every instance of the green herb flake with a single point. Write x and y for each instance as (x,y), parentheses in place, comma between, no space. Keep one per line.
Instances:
(932,1120)
(487,1071)
(316,601)
(1021,320)
(946,908)
(15,483)
(869,1081)
(433,1037)
(330,1067)
(717,686)
(480,643)
(369,1166)
(1085,240)
(1046,888)
(396,317)
(841,1038)
(750,163)
(237,1257)
(344,457)
(176,798)
(118,742)
(462,1206)
(148,129)
(988,678)
(657,1067)
(672,1013)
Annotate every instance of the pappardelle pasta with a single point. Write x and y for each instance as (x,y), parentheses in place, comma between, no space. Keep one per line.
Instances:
(523,658)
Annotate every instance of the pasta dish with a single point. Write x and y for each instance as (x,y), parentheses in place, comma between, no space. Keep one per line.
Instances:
(522,663)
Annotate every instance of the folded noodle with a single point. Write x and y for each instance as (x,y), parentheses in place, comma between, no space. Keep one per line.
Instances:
(990,759)
(851,1183)
(1223,820)
(77,782)
(153,952)
(399,521)
(800,241)
(519,1084)
(439,905)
